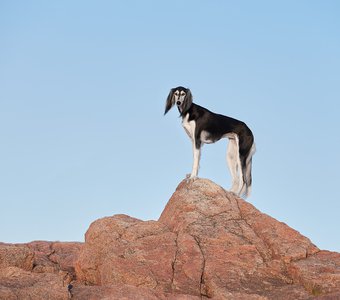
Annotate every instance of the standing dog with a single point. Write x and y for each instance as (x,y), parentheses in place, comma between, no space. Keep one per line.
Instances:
(205,127)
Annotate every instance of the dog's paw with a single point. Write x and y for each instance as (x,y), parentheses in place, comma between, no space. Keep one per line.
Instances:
(233,193)
(190,178)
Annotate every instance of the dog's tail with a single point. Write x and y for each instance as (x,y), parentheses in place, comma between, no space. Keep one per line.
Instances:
(246,162)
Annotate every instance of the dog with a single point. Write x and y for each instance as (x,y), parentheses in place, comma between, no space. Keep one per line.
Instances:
(206,127)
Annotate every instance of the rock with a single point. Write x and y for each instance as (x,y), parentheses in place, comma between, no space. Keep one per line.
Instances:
(53,257)
(207,243)
(319,273)
(112,292)
(124,250)
(16,256)
(124,292)
(16,283)
(37,270)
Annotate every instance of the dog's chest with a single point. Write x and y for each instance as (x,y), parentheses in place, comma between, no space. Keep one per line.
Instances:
(189,126)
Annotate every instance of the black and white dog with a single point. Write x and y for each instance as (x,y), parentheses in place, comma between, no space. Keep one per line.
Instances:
(205,127)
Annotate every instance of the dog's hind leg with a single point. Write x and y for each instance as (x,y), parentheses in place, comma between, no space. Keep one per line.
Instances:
(246,166)
(234,164)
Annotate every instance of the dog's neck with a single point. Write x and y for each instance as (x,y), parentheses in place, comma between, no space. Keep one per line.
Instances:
(184,112)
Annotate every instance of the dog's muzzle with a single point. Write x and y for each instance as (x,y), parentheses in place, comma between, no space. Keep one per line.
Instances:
(178,103)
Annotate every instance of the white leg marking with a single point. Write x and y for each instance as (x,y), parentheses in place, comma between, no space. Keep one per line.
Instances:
(190,127)
(234,163)
(197,156)
(231,160)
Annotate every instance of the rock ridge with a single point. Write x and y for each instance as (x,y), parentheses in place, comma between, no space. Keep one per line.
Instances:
(207,244)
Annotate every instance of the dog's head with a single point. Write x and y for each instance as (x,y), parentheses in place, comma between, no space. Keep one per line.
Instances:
(180,96)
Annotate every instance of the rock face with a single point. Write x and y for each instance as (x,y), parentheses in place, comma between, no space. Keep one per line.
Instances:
(207,243)
(38,270)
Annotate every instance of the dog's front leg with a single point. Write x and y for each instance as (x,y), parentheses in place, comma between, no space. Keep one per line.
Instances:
(195,166)
(196,148)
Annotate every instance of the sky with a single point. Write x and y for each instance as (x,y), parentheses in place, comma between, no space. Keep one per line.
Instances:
(83,86)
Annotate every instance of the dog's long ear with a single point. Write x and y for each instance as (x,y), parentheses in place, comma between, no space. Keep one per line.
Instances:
(169,101)
(187,102)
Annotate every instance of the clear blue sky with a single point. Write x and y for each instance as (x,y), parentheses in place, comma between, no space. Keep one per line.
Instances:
(83,86)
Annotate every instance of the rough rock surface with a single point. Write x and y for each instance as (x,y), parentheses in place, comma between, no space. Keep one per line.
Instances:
(37,270)
(207,243)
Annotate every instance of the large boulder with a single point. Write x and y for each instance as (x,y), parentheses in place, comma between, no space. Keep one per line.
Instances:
(208,243)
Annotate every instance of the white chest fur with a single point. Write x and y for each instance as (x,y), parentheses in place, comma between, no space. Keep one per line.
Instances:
(189,126)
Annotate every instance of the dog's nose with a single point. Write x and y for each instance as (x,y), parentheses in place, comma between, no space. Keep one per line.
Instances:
(178,103)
